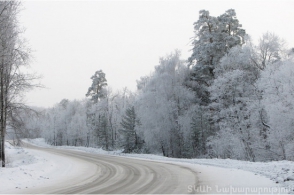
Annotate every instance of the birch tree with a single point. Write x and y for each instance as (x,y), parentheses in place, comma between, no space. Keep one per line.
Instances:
(14,56)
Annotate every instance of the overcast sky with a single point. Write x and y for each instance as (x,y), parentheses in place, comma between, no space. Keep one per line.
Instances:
(73,39)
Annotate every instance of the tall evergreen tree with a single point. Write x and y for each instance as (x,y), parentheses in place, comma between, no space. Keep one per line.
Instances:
(214,36)
(131,141)
(97,89)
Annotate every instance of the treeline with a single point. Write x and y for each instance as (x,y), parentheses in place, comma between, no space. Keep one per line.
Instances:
(230,99)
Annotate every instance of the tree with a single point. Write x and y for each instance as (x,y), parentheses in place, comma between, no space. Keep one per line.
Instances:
(200,129)
(277,84)
(14,56)
(163,106)
(270,49)
(97,89)
(214,36)
(130,123)
(98,119)
(232,95)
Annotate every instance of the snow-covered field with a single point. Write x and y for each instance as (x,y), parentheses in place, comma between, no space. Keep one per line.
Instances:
(28,168)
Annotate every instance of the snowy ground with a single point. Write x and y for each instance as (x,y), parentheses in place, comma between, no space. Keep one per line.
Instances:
(19,171)
(28,168)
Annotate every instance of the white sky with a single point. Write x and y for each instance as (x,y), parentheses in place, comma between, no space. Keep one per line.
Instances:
(73,39)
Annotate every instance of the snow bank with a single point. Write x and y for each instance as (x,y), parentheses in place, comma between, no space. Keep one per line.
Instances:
(28,168)
(281,173)
(17,156)
(21,169)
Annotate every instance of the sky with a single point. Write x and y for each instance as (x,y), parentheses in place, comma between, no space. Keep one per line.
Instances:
(125,39)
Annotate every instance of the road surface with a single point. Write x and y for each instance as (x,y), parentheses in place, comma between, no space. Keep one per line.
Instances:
(107,174)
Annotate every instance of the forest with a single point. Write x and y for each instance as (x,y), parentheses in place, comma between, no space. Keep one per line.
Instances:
(231,98)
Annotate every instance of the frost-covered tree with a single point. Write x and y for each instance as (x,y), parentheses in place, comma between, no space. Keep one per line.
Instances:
(98,119)
(232,94)
(270,49)
(231,30)
(103,119)
(163,105)
(277,84)
(130,123)
(97,90)
(98,124)
(14,56)
(200,130)
(142,82)
(102,131)
(214,36)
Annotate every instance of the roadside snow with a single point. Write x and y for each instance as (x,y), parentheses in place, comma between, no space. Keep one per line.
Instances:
(18,171)
(27,168)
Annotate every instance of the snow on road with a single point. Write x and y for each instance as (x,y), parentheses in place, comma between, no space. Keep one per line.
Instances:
(29,168)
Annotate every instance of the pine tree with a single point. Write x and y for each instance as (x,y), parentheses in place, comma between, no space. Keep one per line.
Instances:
(131,141)
(214,36)
(97,90)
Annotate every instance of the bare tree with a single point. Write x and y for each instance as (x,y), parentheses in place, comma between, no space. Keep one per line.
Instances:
(14,57)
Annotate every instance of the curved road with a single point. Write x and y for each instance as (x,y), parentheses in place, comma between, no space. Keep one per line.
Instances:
(119,175)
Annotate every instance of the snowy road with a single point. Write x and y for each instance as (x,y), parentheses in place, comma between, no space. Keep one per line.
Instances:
(69,171)
(111,174)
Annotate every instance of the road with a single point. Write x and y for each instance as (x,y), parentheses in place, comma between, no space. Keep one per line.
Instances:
(119,175)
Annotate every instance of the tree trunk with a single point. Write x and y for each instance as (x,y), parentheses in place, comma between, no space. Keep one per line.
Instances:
(2,117)
(3,149)
(163,151)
